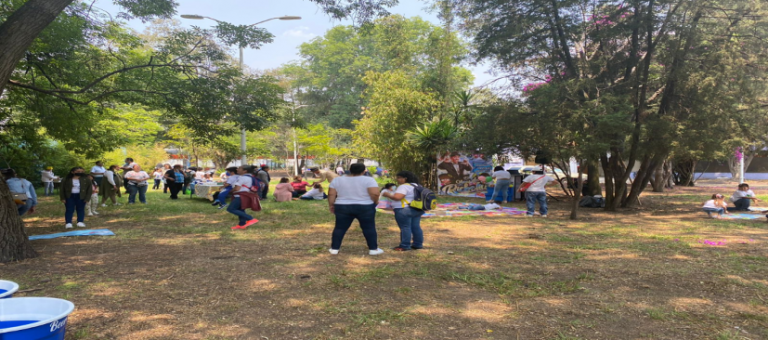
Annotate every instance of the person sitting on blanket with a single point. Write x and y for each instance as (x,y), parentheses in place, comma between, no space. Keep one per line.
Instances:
(386,203)
(315,194)
(742,198)
(221,199)
(716,204)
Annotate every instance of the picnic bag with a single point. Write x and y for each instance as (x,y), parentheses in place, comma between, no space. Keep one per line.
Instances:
(526,185)
(423,198)
(258,185)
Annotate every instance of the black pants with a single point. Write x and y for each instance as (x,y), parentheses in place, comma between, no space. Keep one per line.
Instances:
(175,188)
(157,185)
(264,192)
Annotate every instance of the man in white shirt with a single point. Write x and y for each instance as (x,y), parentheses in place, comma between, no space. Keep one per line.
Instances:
(742,198)
(97,171)
(537,192)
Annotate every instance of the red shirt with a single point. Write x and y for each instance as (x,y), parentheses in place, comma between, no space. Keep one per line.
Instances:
(299,186)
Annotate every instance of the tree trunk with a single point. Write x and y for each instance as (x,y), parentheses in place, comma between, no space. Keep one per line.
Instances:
(21,29)
(593,178)
(658,179)
(577,194)
(14,243)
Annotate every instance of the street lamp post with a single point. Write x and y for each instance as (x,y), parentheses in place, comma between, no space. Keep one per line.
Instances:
(295,146)
(243,159)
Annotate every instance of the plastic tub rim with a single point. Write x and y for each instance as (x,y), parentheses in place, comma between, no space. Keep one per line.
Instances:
(14,288)
(70,309)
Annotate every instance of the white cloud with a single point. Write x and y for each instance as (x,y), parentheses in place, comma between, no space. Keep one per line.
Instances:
(300,32)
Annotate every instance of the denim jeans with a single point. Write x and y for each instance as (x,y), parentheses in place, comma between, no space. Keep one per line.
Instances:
(409,221)
(709,211)
(157,185)
(742,204)
(48,188)
(500,189)
(234,208)
(222,198)
(74,203)
(346,214)
(531,197)
(133,189)
(23,208)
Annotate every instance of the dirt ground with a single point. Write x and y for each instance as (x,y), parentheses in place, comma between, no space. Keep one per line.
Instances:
(176,271)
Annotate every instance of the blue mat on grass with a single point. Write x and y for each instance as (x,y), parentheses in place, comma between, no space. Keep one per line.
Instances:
(743,216)
(89,232)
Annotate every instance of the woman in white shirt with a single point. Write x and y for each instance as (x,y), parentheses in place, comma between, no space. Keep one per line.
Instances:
(315,194)
(408,219)
(716,204)
(351,197)
(158,174)
(501,187)
(137,183)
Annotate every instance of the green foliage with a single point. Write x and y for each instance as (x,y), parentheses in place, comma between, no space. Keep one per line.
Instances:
(396,105)
(329,77)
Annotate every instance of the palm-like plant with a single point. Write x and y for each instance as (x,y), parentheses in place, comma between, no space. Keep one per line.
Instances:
(433,136)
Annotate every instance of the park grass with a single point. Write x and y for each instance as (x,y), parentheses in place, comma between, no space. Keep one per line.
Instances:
(176,271)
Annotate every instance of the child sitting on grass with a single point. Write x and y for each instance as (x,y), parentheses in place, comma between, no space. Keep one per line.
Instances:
(716,204)
(315,194)
(386,203)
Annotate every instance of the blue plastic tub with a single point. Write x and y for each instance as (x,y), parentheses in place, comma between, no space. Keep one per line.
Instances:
(34,318)
(7,288)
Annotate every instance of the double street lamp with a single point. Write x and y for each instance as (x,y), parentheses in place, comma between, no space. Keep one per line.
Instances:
(201,17)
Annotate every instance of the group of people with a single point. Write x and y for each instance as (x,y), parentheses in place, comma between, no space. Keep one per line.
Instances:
(742,198)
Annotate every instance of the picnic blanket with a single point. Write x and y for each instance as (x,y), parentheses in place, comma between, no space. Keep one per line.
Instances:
(743,216)
(89,232)
(758,209)
(452,210)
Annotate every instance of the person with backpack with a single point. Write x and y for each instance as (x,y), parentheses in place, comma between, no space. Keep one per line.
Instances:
(354,197)
(407,217)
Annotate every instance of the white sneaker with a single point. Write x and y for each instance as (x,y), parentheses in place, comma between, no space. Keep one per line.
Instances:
(89,214)
(95,213)
(545,216)
(503,202)
(118,204)
(68,226)
(378,251)
(104,205)
(333,251)
(81,224)
(526,215)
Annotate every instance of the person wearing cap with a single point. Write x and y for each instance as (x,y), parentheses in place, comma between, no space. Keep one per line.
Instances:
(263,175)
(323,175)
(27,196)
(47,178)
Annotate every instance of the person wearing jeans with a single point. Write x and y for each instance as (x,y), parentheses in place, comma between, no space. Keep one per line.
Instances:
(76,190)
(537,192)
(242,187)
(137,183)
(501,188)
(407,218)
(715,205)
(742,198)
(174,179)
(351,197)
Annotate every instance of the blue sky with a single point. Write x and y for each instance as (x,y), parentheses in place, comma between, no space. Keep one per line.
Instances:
(288,34)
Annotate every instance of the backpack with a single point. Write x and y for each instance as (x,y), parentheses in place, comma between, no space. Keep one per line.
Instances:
(423,198)
(258,185)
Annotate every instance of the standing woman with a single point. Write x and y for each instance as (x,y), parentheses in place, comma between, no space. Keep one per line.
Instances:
(75,192)
(174,179)
(166,167)
(158,175)
(408,219)
(110,185)
(351,197)
(501,188)
(137,183)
